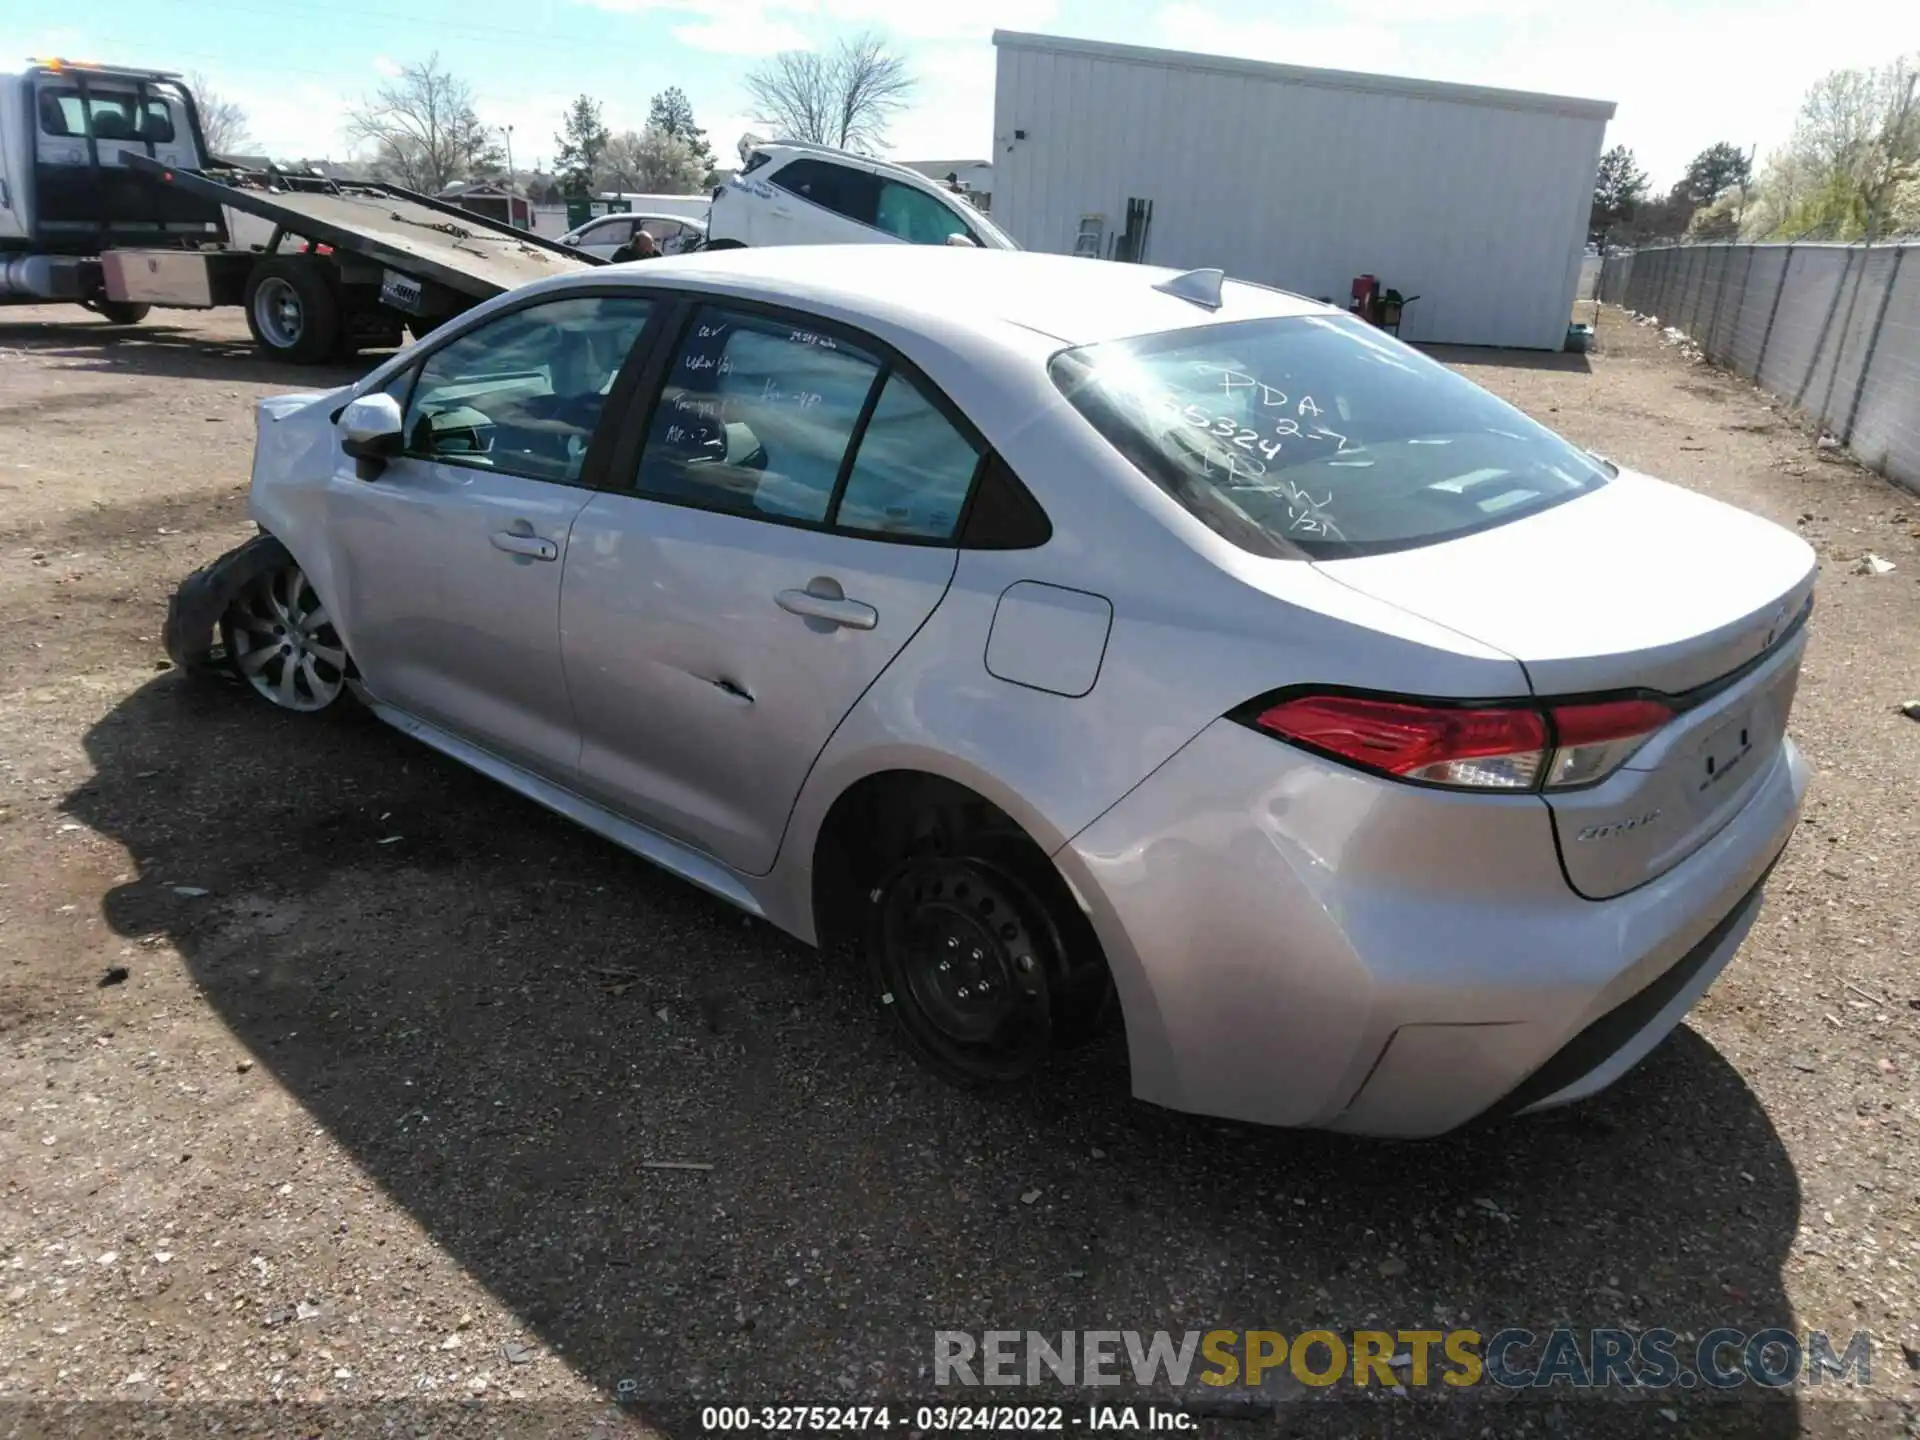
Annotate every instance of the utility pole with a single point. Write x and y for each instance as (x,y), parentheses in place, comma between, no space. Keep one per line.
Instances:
(507,130)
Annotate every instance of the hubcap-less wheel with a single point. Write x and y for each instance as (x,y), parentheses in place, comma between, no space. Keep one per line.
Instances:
(284,643)
(966,967)
(278,312)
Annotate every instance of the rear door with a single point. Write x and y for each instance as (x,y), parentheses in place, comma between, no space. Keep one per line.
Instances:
(789,525)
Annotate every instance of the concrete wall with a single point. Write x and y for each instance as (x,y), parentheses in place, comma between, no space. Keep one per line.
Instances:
(1832,329)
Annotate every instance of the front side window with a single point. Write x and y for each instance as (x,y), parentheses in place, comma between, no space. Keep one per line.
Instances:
(1317,435)
(839,188)
(523,393)
(755,417)
(917,217)
(775,419)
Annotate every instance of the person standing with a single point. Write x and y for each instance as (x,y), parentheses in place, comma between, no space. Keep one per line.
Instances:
(641,247)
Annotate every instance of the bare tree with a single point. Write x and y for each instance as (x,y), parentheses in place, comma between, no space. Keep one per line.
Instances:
(652,162)
(844,99)
(421,126)
(222,122)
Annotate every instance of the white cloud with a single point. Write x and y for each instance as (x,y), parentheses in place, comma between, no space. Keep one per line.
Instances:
(761,36)
(951,117)
(939,19)
(392,69)
(1324,44)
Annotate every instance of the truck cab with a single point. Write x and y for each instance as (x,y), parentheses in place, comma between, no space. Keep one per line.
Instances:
(67,132)
(66,194)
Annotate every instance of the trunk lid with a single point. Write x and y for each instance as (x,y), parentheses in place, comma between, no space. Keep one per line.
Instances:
(1637,586)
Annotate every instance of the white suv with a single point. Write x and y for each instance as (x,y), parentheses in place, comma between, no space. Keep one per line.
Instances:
(792,193)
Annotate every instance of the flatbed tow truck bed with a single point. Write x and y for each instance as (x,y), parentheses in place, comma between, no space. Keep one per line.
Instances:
(378,257)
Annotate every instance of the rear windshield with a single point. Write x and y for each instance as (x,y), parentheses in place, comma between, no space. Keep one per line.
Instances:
(1319,435)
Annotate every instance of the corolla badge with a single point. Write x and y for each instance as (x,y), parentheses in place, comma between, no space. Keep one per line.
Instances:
(1618,827)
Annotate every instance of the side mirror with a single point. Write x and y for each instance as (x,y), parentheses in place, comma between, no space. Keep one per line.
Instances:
(966,240)
(370,431)
(569,239)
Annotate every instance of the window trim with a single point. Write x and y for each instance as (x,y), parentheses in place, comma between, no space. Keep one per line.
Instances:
(625,460)
(595,462)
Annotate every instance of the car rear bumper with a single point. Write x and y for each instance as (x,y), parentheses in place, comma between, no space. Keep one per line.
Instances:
(1296,943)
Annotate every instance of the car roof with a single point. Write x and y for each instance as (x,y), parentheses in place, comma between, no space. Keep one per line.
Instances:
(1073,300)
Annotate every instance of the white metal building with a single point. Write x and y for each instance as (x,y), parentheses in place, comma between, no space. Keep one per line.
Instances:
(1475,200)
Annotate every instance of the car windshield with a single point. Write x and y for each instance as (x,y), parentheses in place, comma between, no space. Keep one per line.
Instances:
(1319,435)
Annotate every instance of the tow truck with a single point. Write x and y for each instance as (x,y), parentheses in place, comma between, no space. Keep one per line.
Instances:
(110,198)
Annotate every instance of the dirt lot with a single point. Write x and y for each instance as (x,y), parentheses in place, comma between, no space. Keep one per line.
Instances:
(365,1118)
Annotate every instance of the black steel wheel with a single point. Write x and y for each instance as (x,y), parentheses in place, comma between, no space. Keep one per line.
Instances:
(292,309)
(962,950)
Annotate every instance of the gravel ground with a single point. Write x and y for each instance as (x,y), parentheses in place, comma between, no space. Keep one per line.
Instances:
(328,1071)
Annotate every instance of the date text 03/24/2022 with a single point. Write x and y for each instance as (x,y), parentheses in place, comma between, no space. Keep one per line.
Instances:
(928,1419)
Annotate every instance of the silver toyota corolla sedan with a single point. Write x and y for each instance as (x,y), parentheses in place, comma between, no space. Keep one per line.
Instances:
(1089,644)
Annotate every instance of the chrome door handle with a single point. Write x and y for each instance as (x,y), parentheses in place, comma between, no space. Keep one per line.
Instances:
(514,543)
(850,613)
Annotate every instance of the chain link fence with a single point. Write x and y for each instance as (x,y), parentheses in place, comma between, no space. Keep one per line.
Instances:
(1832,329)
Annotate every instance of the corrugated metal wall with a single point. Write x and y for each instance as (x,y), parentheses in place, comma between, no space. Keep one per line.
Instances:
(1832,329)
(1481,211)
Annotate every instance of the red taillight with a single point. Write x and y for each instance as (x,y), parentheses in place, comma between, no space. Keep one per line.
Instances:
(1591,741)
(1485,749)
(1493,747)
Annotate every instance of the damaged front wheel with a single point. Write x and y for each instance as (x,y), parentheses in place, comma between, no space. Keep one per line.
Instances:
(281,640)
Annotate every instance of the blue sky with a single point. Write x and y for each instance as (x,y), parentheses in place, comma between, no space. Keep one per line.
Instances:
(1685,73)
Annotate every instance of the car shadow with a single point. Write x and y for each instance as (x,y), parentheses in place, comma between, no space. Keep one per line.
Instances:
(1498,357)
(507,1023)
(156,348)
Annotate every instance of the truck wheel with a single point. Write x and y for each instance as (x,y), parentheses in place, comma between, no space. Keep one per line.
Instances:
(121,312)
(292,311)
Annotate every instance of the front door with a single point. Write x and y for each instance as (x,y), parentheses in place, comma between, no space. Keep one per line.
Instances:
(447,564)
(790,527)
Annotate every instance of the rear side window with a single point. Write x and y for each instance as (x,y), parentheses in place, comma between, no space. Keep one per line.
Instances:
(774,419)
(913,470)
(839,188)
(755,417)
(1319,435)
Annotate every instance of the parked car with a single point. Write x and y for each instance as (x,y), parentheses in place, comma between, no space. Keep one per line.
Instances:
(791,193)
(1077,640)
(675,234)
